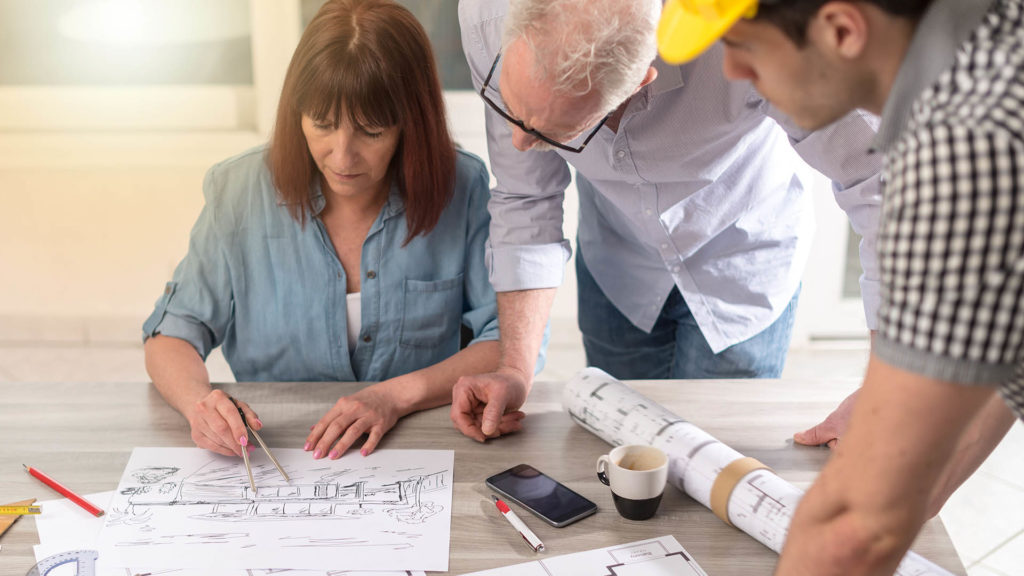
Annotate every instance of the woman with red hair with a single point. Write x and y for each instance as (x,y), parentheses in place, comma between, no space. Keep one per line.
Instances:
(350,248)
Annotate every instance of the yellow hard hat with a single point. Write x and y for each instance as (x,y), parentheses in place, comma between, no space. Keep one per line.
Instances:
(688,27)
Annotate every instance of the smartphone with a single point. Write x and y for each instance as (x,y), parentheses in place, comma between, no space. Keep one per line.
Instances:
(545,497)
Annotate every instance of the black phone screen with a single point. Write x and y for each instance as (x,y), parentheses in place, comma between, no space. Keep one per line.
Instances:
(541,494)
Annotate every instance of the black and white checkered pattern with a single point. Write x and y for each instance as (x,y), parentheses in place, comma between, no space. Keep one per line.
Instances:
(952,238)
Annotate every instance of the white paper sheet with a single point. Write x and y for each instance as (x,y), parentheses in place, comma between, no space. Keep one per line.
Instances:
(761,504)
(655,557)
(65,528)
(190,508)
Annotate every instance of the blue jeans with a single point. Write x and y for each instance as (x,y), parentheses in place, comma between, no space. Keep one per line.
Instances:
(675,348)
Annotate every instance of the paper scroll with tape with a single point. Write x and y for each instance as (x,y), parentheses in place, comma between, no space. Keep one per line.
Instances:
(741,491)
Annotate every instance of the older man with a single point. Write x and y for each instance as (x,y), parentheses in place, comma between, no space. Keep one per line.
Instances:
(948,78)
(694,227)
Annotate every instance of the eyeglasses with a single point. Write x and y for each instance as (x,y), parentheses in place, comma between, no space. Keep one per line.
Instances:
(519,123)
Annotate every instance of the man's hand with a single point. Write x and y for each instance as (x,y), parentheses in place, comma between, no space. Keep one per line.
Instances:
(487,405)
(829,431)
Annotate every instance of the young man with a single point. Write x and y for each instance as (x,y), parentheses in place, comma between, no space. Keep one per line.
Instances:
(694,227)
(947,76)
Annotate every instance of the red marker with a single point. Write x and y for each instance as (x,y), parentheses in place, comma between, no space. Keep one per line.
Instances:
(90,508)
(519,525)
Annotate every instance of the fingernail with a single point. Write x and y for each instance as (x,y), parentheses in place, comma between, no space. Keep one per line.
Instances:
(250,448)
(307,447)
(317,455)
(363,452)
(313,426)
(259,422)
(243,440)
(334,454)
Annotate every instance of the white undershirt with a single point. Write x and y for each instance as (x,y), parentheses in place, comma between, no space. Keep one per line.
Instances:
(355,319)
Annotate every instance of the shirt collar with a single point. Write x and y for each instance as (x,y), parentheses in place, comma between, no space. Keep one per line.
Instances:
(669,78)
(394,205)
(944,27)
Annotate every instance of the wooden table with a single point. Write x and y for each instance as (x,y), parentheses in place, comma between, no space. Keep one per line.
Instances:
(83,434)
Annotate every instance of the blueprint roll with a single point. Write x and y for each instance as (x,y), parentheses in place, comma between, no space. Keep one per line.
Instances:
(741,491)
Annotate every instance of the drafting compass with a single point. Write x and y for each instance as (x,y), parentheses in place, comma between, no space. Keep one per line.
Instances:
(245,451)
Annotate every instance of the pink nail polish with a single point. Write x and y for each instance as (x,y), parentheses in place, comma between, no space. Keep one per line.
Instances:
(243,440)
(311,427)
(334,455)
(259,422)
(363,451)
(306,447)
(317,455)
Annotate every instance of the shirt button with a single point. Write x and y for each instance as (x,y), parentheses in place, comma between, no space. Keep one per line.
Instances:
(675,268)
(664,246)
(371,274)
(648,212)
(367,338)
(621,153)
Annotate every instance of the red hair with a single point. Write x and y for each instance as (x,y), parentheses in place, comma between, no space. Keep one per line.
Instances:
(371,60)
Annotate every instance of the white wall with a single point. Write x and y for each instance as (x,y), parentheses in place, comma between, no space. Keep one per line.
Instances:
(92,224)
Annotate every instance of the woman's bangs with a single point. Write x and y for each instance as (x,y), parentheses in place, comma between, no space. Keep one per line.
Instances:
(361,92)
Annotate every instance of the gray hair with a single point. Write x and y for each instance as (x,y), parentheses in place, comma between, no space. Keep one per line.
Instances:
(584,45)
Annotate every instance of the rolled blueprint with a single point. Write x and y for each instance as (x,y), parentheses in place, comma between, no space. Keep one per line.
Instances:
(741,491)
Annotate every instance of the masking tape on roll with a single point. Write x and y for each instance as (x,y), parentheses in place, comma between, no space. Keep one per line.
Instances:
(726,482)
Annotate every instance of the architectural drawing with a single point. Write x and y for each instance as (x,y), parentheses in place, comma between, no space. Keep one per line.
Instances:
(655,557)
(761,504)
(217,491)
(189,508)
(67,536)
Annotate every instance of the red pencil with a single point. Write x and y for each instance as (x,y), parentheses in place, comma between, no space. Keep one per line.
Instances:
(89,507)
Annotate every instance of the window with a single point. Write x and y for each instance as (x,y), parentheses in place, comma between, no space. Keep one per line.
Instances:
(112,65)
(440,18)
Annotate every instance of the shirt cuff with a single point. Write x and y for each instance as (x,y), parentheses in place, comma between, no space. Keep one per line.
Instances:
(871,297)
(181,328)
(938,367)
(527,267)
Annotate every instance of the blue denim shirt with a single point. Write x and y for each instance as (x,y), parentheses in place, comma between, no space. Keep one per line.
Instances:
(272,292)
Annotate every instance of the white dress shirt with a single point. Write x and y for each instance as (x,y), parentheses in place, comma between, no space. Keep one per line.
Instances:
(697,189)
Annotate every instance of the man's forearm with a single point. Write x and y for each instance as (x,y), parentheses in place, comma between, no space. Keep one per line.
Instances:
(522,317)
(864,510)
(979,439)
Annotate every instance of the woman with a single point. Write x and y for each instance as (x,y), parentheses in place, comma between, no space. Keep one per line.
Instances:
(351,248)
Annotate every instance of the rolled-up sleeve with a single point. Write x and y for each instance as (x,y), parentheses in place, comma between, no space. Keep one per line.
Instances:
(842,152)
(196,305)
(527,248)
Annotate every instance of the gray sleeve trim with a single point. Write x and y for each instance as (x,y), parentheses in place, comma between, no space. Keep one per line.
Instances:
(958,370)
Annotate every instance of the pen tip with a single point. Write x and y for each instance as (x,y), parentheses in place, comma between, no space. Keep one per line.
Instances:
(493,497)
(26,467)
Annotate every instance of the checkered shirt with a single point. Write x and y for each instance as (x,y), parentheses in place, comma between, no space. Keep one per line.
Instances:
(952,238)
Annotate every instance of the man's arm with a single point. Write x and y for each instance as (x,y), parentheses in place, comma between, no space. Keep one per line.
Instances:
(480,402)
(864,510)
(840,152)
(526,251)
(983,434)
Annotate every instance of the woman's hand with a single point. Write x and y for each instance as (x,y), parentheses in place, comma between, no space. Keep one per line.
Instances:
(371,411)
(216,425)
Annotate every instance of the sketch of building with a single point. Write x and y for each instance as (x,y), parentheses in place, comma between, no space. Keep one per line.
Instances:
(223,493)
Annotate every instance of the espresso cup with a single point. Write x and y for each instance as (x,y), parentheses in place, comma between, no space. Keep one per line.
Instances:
(636,474)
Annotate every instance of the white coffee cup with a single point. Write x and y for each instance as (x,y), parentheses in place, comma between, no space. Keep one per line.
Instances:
(636,473)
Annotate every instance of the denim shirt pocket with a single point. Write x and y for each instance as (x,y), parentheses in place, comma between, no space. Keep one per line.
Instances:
(159,311)
(432,312)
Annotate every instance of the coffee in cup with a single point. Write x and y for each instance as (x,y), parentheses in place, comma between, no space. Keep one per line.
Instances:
(636,474)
